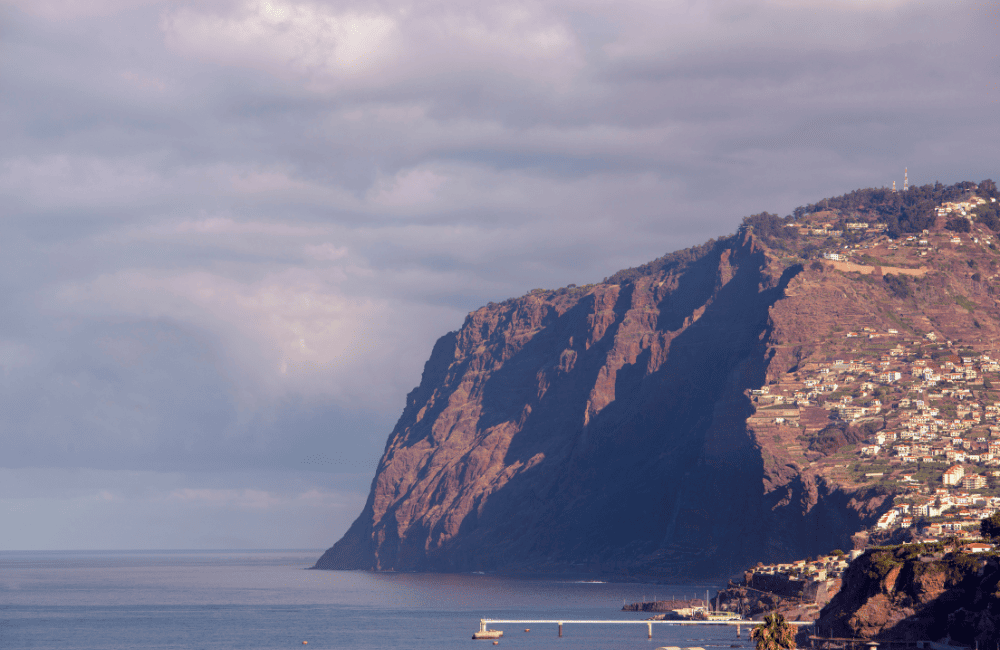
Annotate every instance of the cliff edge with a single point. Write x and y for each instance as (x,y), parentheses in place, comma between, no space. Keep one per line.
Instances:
(603,429)
(614,429)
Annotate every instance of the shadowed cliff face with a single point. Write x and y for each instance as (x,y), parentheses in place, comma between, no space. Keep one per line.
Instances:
(602,429)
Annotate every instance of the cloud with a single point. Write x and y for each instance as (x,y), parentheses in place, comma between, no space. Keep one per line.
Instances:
(292,329)
(280,37)
(328,44)
(83,509)
(62,10)
(233,230)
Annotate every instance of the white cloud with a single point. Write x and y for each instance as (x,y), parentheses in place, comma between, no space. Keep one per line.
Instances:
(286,37)
(327,251)
(294,330)
(230,223)
(410,189)
(324,44)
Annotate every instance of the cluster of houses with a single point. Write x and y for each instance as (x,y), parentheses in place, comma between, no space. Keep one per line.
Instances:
(922,242)
(956,511)
(934,421)
(823,228)
(826,567)
(828,229)
(961,208)
(818,580)
(849,389)
(940,443)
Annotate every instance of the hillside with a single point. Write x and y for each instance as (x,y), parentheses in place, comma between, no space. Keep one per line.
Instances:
(918,592)
(700,413)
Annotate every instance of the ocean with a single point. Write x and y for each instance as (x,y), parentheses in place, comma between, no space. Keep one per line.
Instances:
(257,600)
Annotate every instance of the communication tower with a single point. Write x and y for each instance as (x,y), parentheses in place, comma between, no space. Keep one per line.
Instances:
(906,180)
(894,187)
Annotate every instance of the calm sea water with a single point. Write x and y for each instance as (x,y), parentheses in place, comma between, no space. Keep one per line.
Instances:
(267,600)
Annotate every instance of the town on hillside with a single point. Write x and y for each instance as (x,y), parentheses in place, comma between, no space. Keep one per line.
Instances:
(901,407)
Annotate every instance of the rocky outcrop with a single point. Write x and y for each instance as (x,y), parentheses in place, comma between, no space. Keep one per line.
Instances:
(604,429)
(663,605)
(802,604)
(917,593)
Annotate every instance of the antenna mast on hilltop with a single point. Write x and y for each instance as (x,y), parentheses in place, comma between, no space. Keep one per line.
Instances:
(894,187)
(906,180)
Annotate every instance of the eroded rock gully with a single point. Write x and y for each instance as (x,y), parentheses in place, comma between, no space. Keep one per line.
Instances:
(603,429)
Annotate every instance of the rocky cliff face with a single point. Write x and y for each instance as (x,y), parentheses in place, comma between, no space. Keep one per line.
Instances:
(917,593)
(605,429)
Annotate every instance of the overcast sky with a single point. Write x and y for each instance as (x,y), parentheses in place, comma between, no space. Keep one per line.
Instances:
(230,232)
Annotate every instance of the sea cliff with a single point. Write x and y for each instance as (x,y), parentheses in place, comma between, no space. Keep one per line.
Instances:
(621,428)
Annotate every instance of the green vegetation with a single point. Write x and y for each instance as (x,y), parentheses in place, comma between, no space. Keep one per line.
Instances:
(906,212)
(898,285)
(958,224)
(990,527)
(773,634)
(988,215)
(676,261)
(960,566)
(962,301)
(880,563)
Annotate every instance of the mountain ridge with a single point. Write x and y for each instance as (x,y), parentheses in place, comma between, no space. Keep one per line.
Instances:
(609,429)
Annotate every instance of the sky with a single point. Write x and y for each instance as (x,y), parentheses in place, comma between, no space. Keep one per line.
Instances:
(231,231)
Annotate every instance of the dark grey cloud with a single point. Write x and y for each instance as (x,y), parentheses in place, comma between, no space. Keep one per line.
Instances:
(231,231)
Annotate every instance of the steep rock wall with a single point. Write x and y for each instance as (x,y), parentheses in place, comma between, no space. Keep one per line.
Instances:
(603,429)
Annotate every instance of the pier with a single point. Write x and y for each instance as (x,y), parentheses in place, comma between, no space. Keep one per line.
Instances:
(484,623)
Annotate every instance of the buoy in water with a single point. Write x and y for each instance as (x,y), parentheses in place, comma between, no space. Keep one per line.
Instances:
(496,643)
(305,643)
(527,629)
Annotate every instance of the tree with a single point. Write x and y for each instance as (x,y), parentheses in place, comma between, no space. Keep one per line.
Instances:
(958,224)
(990,527)
(988,188)
(773,634)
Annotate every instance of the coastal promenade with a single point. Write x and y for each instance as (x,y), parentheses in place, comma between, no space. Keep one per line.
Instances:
(484,624)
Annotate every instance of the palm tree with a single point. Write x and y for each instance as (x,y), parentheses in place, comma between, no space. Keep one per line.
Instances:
(773,634)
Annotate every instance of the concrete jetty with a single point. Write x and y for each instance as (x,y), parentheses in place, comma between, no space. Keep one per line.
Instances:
(484,623)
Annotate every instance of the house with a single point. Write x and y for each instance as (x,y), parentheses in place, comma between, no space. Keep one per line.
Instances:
(977,547)
(974,482)
(953,475)
(886,520)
